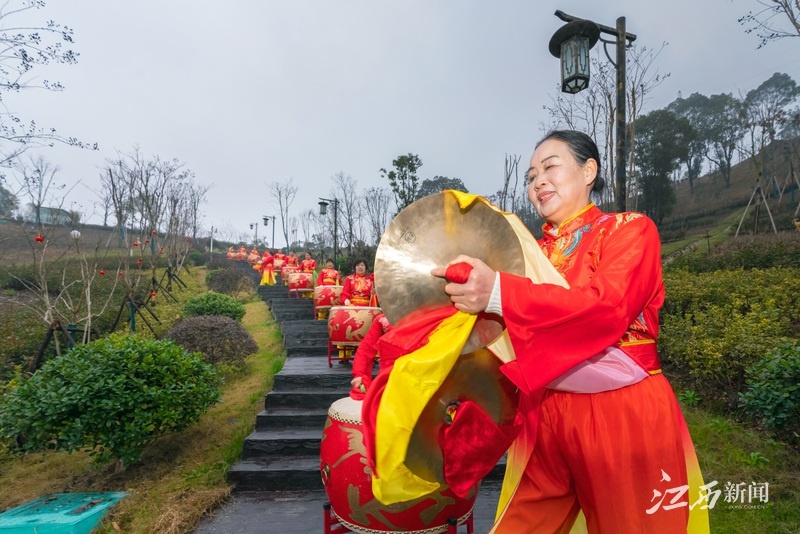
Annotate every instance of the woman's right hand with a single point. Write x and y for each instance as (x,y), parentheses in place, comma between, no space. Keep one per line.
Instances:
(356,382)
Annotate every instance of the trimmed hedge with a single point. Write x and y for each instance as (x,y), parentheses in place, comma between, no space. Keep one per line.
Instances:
(112,396)
(211,303)
(220,340)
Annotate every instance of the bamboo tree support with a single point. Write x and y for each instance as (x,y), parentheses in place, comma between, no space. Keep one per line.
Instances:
(757,190)
(134,309)
(155,285)
(55,325)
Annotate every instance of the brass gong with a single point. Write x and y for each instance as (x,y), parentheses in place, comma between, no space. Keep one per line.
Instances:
(432,232)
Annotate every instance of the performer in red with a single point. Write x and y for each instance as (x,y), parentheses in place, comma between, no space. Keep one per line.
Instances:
(364,357)
(308,264)
(280,259)
(328,276)
(291,259)
(606,432)
(358,287)
(267,269)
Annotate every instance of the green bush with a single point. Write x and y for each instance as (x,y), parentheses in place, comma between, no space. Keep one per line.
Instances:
(744,252)
(211,303)
(773,389)
(219,339)
(716,325)
(112,397)
(196,257)
(230,281)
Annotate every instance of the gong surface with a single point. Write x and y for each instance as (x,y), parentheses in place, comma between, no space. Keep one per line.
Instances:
(432,232)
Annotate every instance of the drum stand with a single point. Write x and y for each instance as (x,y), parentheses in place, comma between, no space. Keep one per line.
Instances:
(331,523)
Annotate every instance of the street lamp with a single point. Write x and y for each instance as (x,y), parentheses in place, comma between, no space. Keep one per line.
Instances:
(211,245)
(572,43)
(255,239)
(266,219)
(323,210)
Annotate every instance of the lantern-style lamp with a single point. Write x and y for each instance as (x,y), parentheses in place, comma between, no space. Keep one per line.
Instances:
(75,234)
(572,43)
(323,207)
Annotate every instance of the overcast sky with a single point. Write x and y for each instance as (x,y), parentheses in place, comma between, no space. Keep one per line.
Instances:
(247,93)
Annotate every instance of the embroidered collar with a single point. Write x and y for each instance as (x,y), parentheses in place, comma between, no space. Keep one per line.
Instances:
(583,217)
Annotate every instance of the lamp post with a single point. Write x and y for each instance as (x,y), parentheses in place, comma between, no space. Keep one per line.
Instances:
(266,219)
(323,209)
(572,43)
(211,245)
(255,239)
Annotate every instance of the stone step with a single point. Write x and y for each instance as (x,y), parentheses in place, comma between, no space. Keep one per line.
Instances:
(312,372)
(307,398)
(277,474)
(282,442)
(319,351)
(291,418)
(304,327)
(292,314)
(315,339)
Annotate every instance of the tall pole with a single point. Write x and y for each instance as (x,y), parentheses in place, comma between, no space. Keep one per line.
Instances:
(211,246)
(335,227)
(622,195)
(273,233)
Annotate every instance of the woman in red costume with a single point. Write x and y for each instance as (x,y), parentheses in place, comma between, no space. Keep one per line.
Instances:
(291,259)
(308,264)
(364,357)
(267,269)
(609,436)
(328,276)
(358,287)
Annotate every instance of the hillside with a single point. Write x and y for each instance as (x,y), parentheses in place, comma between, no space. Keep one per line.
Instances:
(711,201)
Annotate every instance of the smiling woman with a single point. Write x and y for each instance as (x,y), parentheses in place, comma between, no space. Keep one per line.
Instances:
(587,366)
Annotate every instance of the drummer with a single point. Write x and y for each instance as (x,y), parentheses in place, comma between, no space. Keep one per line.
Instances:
(308,264)
(604,419)
(328,276)
(359,286)
(364,357)
(291,259)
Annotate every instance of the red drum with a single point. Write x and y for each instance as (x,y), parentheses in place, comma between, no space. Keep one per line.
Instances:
(347,326)
(301,284)
(253,258)
(287,271)
(278,263)
(324,298)
(347,480)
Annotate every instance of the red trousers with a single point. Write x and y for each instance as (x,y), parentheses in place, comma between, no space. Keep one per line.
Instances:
(606,454)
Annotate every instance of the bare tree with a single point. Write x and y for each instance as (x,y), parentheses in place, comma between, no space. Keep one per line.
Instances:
(344,190)
(376,202)
(594,109)
(25,48)
(776,19)
(283,193)
(510,169)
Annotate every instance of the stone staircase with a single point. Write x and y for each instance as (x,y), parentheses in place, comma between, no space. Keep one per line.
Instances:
(282,453)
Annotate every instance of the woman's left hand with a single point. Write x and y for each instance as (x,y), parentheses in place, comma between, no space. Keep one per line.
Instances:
(473,295)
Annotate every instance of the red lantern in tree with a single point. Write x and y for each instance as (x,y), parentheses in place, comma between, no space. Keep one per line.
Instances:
(121,273)
(152,293)
(102,272)
(146,241)
(154,232)
(136,244)
(39,239)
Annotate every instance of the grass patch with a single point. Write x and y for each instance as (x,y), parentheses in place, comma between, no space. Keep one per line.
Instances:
(731,453)
(182,475)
